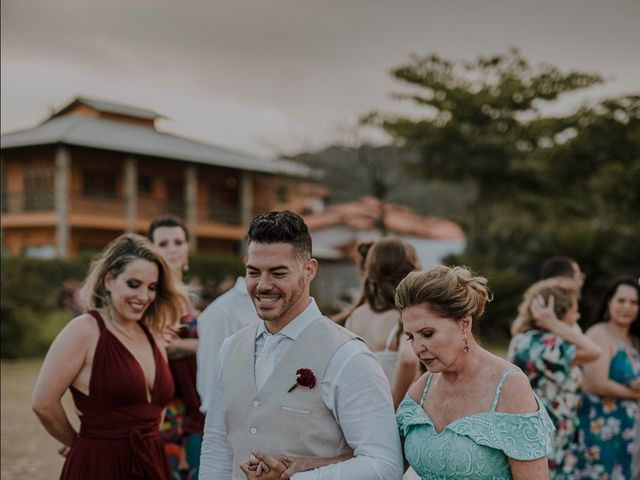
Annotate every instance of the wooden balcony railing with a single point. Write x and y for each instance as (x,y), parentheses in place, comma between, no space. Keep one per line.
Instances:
(228,214)
(150,207)
(114,206)
(33,201)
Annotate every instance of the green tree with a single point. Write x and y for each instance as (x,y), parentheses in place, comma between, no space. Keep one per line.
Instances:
(545,184)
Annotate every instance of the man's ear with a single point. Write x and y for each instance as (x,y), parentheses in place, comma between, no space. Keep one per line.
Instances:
(311,268)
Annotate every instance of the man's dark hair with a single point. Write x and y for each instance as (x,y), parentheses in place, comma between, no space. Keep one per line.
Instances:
(281,227)
(558,266)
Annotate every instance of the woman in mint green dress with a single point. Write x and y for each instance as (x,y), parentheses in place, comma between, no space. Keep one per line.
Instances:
(548,349)
(609,407)
(472,415)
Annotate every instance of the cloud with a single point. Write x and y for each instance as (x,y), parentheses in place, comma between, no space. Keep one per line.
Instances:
(284,71)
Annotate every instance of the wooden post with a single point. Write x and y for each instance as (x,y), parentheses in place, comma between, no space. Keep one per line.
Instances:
(62,169)
(131,192)
(246,199)
(191,204)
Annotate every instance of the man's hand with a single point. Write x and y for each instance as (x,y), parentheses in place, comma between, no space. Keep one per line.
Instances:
(264,467)
(281,467)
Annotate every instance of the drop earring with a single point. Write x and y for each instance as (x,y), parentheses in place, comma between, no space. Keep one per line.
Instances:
(466,344)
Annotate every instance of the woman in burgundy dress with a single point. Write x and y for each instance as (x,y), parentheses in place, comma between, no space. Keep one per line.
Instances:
(113,361)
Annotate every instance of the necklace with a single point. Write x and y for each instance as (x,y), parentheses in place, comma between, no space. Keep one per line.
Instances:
(115,325)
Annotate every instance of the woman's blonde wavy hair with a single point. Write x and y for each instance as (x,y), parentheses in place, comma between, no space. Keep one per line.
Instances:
(563,291)
(169,303)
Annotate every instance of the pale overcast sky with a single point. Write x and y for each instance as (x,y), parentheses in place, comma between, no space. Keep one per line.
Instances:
(280,76)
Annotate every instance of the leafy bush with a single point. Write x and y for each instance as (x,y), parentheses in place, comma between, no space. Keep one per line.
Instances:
(213,274)
(34,296)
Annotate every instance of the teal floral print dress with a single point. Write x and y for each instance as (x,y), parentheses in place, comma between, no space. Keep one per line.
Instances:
(472,447)
(546,358)
(606,440)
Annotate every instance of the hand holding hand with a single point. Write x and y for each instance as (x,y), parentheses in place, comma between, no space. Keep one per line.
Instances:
(543,312)
(263,467)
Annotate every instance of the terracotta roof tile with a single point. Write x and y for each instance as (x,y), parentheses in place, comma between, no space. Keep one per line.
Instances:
(362,214)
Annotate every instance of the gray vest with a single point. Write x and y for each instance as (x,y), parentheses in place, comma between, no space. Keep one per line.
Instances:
(275,421)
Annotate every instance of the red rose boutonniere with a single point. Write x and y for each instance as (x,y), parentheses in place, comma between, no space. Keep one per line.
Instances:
(304,378)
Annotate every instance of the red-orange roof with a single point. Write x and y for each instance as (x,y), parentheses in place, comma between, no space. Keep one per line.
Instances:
(362,214)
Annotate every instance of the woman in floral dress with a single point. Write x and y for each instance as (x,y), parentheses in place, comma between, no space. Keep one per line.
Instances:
(181,431)
(548,349)
(609,406)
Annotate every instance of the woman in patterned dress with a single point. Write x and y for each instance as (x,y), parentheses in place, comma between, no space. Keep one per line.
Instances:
(611,384)
(473,414)
(548,349)
(183,424)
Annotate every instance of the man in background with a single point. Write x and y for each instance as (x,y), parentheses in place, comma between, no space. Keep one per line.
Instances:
(230,312)
(561,266)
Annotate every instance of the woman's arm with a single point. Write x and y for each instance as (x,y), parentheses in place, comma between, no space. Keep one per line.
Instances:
(517,397)
(545,317)
(529,469)
(63,363)
(407,369)
(596,374)
(182,347)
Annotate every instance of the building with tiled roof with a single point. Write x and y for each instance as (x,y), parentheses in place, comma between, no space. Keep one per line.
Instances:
(95,169)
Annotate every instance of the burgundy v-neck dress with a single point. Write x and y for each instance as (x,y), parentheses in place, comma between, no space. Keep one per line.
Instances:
(119,437)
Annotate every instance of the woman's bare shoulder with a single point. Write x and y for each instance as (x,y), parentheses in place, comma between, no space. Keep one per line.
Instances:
(84,325)
(417,388)
(358,318)
(599,331)
(517,395)
(80,334)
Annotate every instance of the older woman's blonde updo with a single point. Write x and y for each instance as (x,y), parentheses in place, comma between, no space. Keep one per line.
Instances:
(452,292)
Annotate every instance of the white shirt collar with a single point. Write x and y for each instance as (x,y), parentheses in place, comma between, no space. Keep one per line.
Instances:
(241,286)
(295,327)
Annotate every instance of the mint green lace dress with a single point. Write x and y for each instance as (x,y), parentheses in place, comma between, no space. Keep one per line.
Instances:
(476,446)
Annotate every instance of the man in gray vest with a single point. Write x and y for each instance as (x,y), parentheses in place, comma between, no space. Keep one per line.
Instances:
(296,385)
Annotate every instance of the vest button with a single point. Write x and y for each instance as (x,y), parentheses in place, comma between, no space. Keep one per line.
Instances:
(253,430)
(256,403)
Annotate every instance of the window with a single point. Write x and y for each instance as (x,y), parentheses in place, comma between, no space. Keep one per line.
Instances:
(145,184)
(224,201)
(98,184)
(38,189)
(282,194)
